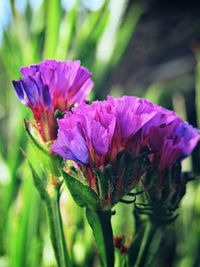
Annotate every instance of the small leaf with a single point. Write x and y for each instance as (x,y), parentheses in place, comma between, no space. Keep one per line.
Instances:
(82,194)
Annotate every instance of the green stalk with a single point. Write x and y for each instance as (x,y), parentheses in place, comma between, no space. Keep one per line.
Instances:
(55,220)
(100,222)
(136,245)
(56,230)
(150,244)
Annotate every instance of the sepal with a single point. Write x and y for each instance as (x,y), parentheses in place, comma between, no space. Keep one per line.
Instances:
(35,143)
(163,193)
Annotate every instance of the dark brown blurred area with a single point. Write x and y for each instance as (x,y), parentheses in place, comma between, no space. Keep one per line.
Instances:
(161,46)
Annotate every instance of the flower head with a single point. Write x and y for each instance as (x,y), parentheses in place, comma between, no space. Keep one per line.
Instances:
(103,129)
(171,142)
(52,85)
(107,140)
(103,134)
(164,181)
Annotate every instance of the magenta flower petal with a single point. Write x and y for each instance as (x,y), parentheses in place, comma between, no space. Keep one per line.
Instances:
(172,142)
(71,145)
(19,89)
(67,81)
(99,138)
(106,126)
(190,136)
(52,85)
(129,124)
(81,86)
(170,153)
(131,109)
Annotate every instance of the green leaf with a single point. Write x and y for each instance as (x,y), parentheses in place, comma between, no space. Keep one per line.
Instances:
(82,194)
(67,34)
(21,239)
(126,31)
(90,33)
(53,26)
(100,222)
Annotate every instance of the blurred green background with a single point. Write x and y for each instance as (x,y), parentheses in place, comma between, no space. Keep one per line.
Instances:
(144,48)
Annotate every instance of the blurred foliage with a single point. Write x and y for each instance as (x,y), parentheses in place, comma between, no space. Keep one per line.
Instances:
(98,38)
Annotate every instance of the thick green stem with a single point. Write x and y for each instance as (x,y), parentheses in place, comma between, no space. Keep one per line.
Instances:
(100,222)
(105,219)
(150,244)
(56,230)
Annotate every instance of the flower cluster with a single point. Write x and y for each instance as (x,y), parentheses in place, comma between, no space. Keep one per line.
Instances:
(107,138)
(115,142)
(111,147)
(96,133)
(172,141)
(49,86)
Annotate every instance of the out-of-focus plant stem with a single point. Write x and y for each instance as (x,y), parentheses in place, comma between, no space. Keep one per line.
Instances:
(136,244)
(56,230)
(51,201)
(150,244)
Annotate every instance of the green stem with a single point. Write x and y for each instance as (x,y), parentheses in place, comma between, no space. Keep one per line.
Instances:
(105,219)
(56,230)
(55,220)
(100,222)
(136,245)
(120,259)
(150,244)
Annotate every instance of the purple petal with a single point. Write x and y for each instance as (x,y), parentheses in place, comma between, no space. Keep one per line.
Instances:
(70,145)
(132,113)
(68,83)
(83,91)
(170,153)
(81,86)
(190,136)
(19,91)
(31,91)
(99,138)
(46,96)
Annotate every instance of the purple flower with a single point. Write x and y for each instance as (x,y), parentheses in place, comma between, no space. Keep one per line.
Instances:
(105,126)
(132,113)
(94,135)
(73,145)
(93,127)
(172,142)
(113,133)
(52,85)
